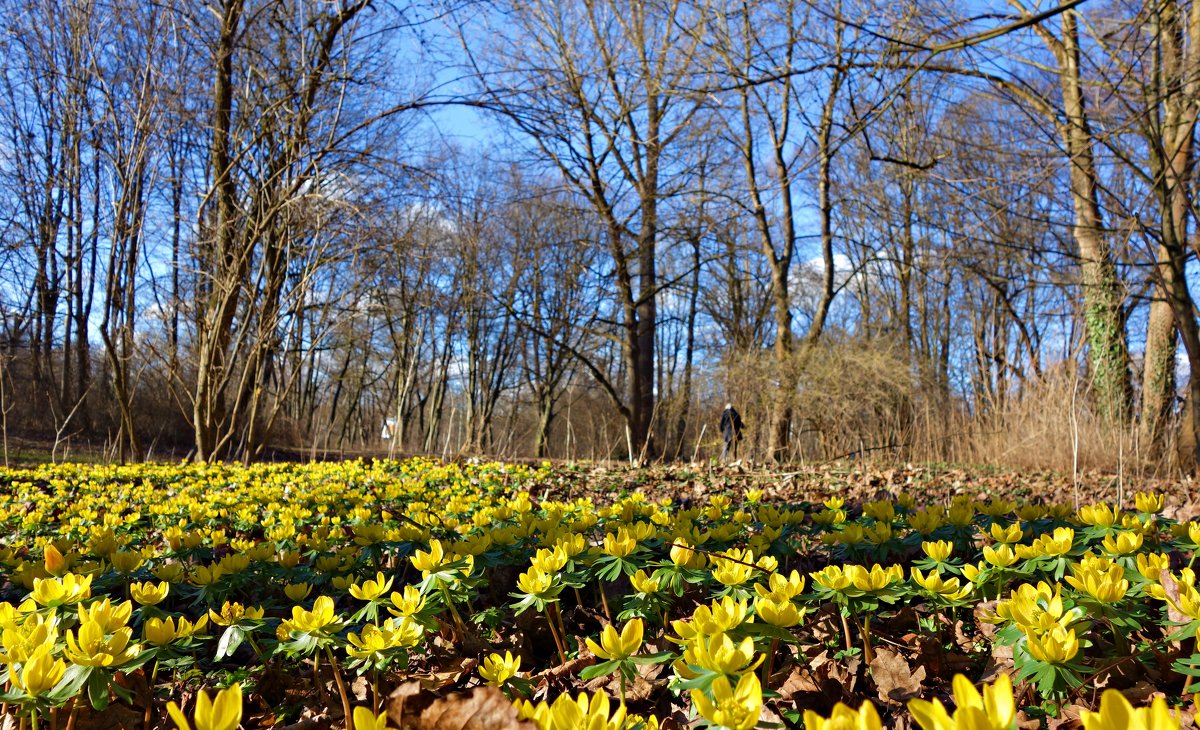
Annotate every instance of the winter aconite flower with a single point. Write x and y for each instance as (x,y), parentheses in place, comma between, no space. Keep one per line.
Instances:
(40,672)
(843,718)
(1117,714)
(497,669)
(622,646)
(90,647)
(737,708)
(148,594)
(65,591)
(364,719)
(321,619)
(371,590)
(224,713)
(993,710)
(1056,646)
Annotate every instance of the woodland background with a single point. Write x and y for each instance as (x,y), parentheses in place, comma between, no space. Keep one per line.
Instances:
(953,231)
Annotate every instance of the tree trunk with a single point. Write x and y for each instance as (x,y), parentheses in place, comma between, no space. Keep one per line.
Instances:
(1102,305)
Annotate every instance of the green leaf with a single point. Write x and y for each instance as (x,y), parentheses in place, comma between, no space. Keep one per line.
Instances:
(230,641)
(602,669)
(97,689)
(70,684)
(659,658)
(1189,666)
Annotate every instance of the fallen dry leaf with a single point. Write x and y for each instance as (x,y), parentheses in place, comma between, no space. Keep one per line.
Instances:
(894,679)
(410,707)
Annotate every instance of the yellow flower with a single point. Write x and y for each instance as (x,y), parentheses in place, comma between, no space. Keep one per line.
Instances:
(204,575)
(880,511)
(536,582)
(1038,608)
(171,572)
(1122,543)
(377,639)
(65,591)
(222,714)
(427,562)
(844,718)
(1056,646)
(643,583)
(961,514)
(22,639)
(1151,565)
(1100,515)
(321,619)
(1053,545)
(371,590)
(778,585)
(231,613)
(148,594)
(951,589)
(718,653)
(364,719)
(54,561)
(550,561)
(408,603)
(40,672)
(127,562)
(159,632)
(1117,714)
(1106,586)
(1001,556)
(1149,503)
(780,612)
(997,507)
(831,578)
(1011,534)
(737,708)
(718,617)
(938,550)
(497,669)
(109,617)
(620,544)
(733,567)
(925,521)
(297,592)
(878,533)
(1189,601)
(874,580)
(614,646)
(993,710)
(94,649)
(684,556)
(584,713)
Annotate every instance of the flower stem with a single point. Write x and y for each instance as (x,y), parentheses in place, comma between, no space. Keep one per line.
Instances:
(558,643)
(150,698)
(375,691)
(768,665)
(562,628)
(458,622)
(341,686)
(73,714)
(1187,683)
(846,631)
(868,651)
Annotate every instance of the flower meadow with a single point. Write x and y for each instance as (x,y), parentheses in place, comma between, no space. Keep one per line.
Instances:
(389,594)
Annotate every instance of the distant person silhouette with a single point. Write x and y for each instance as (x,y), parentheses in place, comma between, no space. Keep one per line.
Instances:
(731,431)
